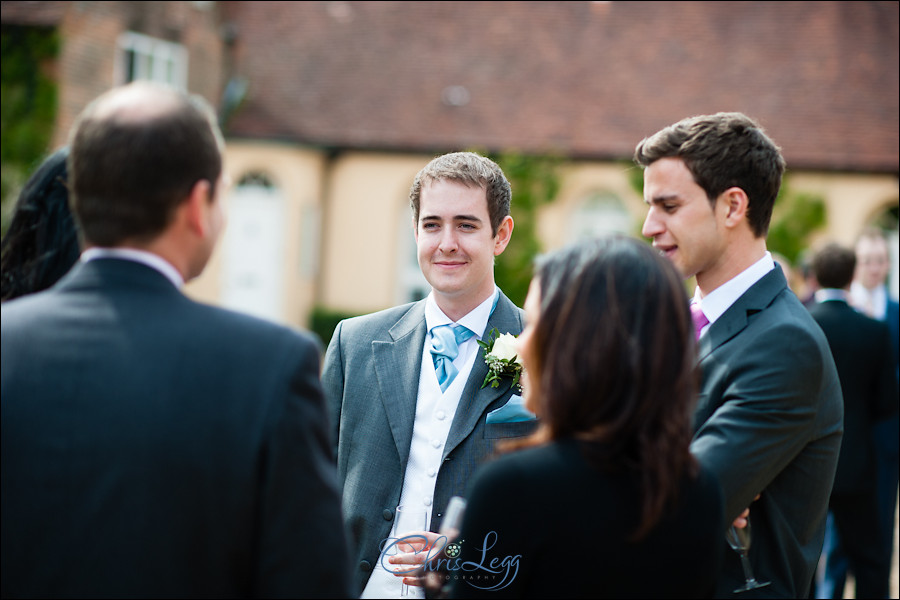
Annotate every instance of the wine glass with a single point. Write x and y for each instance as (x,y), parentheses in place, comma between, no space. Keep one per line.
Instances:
(452,521)
(409,518)
(739,540)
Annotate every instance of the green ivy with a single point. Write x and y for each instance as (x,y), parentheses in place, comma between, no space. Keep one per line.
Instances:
(535,181)
(797,215)
(323,321)
(28,110)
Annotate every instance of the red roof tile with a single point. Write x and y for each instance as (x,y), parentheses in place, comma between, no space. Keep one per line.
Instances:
(588,78)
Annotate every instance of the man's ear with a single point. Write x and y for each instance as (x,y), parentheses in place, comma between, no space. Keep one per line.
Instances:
(735,204)
(504,233)
(197,206)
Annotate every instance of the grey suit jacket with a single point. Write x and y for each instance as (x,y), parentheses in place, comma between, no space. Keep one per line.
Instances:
(371,380)
(769,420)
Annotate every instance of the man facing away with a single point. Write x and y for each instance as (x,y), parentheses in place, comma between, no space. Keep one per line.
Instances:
(869,294)
(861,348)
(769,417)
(873,265)
(154,446)
(410,428)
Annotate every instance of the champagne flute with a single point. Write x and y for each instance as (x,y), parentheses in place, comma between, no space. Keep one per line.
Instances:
(739,540)
(409,518)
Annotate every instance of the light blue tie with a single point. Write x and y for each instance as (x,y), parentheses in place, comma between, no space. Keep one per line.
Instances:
(445,341)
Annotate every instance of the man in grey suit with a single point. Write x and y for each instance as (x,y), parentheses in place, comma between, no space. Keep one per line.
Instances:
(407,432)
(769,416)
(154,446)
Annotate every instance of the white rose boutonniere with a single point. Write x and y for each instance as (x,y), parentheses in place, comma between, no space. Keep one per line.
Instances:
(502,359)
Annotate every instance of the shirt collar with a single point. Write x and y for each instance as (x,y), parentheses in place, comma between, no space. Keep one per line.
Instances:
(720,299)
(154,261)
(828,294)
(475,321)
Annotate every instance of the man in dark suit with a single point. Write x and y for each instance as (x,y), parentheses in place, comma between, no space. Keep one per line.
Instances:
(769,417)
(154,446)
(862,352)
(405,434)
(869,294)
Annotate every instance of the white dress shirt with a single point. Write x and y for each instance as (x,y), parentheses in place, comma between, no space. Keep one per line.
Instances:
(715,303)
(872,303)
(154,261)
(434,414)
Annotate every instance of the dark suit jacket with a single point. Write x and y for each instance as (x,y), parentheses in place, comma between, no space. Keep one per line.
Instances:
(527,508)
(862,353)
(371,381)
(769,420)
(157,447)
(892,318)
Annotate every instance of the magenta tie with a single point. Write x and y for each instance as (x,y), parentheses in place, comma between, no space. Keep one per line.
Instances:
(700,320)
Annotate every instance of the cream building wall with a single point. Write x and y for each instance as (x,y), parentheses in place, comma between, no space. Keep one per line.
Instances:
(368,231)
(296,177)
(348,235)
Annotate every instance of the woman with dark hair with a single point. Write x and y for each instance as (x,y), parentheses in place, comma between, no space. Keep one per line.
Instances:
(604,499)
(41,244)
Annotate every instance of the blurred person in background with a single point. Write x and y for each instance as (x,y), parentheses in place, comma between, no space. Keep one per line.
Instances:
(869,294)
(41,244)
(862,353)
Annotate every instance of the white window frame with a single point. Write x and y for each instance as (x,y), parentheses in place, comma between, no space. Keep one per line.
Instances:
(156,60)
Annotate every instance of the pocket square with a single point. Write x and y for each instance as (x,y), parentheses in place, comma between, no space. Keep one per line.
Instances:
(513,411)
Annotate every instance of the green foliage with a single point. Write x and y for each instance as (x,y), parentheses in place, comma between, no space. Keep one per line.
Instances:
(796,217)
(28,110)
(535,181)
(323,322)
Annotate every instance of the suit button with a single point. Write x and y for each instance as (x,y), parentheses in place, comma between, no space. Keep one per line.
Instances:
(365,566)
(387,514)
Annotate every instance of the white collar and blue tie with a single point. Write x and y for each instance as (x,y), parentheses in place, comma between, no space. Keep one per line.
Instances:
(445,341)
(446,336)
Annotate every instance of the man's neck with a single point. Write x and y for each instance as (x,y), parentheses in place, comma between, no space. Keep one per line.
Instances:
(737,259)
(457,308)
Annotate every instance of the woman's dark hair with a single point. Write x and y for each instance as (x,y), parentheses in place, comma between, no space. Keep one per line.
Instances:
(614,355)
(41,244)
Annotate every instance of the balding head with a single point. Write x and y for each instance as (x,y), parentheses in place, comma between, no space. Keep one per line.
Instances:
(136,153)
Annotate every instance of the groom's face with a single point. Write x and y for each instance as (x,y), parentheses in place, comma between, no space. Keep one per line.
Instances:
(456,246)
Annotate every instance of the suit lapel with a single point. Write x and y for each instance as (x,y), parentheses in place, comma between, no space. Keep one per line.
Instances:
(474,400)
(736,318)
(398,363)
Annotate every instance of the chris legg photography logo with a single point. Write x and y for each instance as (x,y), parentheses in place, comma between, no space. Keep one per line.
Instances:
(489,573)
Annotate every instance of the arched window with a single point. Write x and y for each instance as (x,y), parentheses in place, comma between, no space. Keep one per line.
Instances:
(598,214)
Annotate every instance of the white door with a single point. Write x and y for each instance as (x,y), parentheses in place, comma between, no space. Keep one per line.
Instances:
(252,268)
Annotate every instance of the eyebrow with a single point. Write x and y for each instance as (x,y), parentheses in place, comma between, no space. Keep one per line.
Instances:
(455,218)
(662,198)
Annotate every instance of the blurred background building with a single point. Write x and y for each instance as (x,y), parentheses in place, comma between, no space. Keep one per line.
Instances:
(331,108)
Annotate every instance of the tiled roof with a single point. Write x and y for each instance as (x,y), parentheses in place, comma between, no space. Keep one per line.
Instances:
(588,78)
(33,14)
